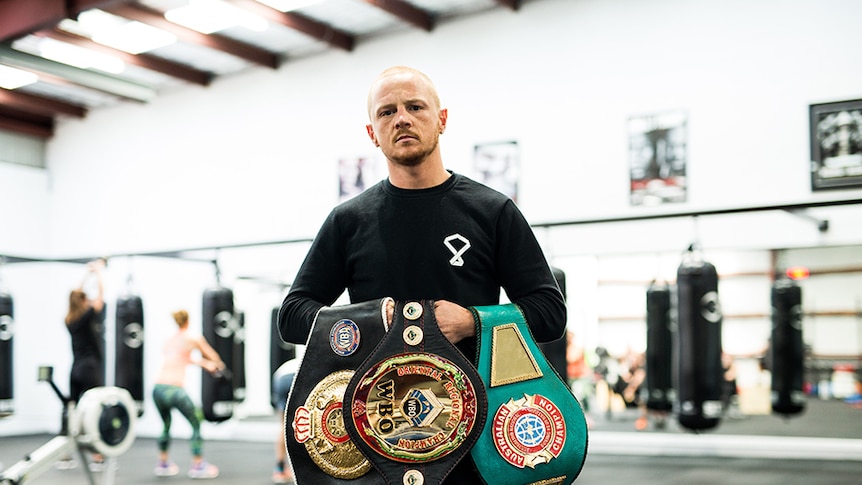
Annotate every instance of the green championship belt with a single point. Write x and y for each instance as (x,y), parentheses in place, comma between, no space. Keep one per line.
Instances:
(536,432)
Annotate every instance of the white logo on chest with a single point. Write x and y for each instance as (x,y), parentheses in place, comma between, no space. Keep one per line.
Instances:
(457,252)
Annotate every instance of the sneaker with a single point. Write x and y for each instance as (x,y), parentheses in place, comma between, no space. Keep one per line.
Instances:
(166,469)
(641,423)
(203,470)
(97,466)
(281,476)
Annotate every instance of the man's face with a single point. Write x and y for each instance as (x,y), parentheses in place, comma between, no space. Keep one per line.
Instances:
(406,121)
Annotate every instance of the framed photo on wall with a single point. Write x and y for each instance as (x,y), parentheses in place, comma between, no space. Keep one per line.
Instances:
(497,165)
(836,145)
(657,158)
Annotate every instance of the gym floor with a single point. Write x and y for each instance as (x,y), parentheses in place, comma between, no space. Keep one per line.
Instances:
(806,452)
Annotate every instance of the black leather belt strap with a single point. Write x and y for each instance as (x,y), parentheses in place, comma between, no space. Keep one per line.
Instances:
(418,405)
(320,450)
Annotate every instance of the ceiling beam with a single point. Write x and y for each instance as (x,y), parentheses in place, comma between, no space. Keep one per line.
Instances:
(221,43)
(83,77)
(301,23)
(510,4)
(39,104)
(18,18)
(38,126)
(150,62)
(406,12)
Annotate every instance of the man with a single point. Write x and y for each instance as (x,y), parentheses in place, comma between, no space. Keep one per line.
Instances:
(424,233)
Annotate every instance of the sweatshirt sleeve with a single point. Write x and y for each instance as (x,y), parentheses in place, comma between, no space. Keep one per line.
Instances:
(527,278)
(320,281)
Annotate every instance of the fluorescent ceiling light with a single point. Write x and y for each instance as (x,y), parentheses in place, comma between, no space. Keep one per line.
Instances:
(129,36)
(208,16)
(11,78)
(79,57)
(288,5)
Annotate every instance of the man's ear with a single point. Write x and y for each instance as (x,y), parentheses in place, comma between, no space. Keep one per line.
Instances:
(444,115)
(370,130)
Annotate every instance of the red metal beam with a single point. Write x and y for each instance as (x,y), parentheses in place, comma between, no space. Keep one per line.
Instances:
(38,104)
(212,41)
(300,23)
(152,63)
(406,12)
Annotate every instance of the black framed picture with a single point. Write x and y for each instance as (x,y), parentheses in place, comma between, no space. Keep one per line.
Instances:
(657,158)
(836,145)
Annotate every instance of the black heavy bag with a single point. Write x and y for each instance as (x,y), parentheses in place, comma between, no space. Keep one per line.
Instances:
(698,368)
(219,324)
(659,349)
(129,348)
(279,350)
(787,353)
(555,351)
(7,331)
(239,358)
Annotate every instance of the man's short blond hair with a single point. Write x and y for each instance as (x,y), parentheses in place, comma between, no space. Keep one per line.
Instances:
(396,70)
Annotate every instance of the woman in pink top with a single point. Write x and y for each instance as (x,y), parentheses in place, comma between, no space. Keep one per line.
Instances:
(169,394)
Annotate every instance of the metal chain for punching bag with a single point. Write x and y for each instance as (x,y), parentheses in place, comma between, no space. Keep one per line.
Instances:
(699,374)
(788,352)
(7,331)
(129,348)
(219,325)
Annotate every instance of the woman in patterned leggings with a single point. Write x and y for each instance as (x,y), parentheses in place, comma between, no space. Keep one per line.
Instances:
(169,394)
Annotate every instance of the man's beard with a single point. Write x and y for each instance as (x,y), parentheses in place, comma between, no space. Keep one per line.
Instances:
(414,159)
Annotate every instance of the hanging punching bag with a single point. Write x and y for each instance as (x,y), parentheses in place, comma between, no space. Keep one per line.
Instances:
(788,353)
(279,350)
(239,358)
(555,351)
(659,349)
(219,324)
(129,348)
(698,368)
(7,331)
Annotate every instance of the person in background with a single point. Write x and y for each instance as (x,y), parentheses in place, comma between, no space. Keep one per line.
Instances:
(282,379)
(424,233)
(85,323)
(169,394)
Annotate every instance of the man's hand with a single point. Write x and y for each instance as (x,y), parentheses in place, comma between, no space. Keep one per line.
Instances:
(455,321)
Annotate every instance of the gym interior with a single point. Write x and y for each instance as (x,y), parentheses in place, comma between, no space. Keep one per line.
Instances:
(223,187)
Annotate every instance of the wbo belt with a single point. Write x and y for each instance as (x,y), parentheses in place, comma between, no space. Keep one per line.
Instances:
(536,432)
(417,403)
(320,450)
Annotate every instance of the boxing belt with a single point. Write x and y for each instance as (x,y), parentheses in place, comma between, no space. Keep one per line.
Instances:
(417,403)
(320,450)
(536,432)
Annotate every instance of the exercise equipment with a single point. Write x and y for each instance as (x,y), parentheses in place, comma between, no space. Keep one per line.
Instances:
(219,327)
(7,332)
(103,421)
(129,348)
(417,405)
(536,431)
(238,381)
(788,352)
(556,350)
(279,350)
(659,349)
(699,374)
(340,339)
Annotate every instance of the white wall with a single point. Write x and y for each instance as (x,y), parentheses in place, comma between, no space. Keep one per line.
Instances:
(254,156)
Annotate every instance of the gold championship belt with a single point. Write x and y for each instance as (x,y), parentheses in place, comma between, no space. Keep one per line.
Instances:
(536,432)
(417,404)
(320,450)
